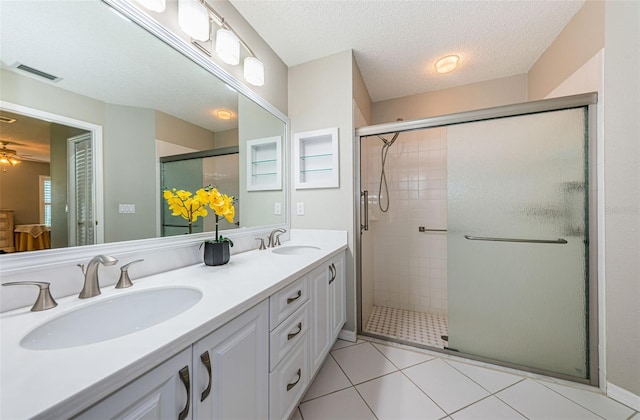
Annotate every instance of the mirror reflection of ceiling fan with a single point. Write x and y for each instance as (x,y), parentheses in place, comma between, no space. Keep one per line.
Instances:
(9,157)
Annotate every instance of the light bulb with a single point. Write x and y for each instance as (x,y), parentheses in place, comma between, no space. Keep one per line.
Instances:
(154,5)
(254,71)
(447,64)
(227,46)
(193,19)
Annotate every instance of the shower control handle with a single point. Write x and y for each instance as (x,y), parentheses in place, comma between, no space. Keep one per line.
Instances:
(365,226)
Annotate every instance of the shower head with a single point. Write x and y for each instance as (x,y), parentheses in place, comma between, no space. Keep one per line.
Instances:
(388,143)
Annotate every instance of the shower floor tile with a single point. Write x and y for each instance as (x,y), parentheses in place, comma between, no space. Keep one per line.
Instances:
(415,327)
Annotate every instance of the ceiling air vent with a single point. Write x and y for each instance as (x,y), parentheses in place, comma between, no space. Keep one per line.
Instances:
(37,72)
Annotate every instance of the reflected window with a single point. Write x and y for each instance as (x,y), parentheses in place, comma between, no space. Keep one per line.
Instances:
(45,200)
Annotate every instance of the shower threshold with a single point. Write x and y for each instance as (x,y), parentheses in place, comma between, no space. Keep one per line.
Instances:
(407,326)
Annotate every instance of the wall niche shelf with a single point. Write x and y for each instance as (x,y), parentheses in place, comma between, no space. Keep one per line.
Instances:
(316,159)
(264,164)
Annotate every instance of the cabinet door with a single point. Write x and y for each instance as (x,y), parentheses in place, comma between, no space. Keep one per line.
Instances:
(288,382)
(321,315)
(337,297)
(231,369)
(162,393)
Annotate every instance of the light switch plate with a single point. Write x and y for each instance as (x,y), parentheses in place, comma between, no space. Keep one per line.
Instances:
(277,210)
(300,208)
(126,208)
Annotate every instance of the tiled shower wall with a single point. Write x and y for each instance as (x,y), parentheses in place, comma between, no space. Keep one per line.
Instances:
(409,267)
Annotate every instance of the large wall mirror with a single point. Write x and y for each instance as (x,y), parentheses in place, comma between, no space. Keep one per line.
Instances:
(94,136)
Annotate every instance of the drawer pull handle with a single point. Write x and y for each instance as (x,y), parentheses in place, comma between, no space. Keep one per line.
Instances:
(291,335)
(206,361)
(184,377)
(291,385)
(332,268)
(293,299)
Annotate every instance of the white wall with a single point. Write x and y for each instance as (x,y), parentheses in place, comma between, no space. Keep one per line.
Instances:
(320,96)
(254,122)
(489,93)
(622,196)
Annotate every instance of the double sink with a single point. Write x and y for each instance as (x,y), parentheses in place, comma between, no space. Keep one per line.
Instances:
(124,314)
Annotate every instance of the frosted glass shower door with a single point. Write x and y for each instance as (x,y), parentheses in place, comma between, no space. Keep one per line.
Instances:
(516,243)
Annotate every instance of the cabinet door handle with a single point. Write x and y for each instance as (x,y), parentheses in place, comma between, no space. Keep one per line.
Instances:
(293,299)
(184,377)
(291,335)
(332,268)
(206,361)
(291,385)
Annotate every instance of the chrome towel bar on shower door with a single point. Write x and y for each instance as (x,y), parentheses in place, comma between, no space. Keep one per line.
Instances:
(531,241)
(423,229)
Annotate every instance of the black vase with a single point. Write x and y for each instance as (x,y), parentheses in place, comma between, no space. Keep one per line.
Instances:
(216,253)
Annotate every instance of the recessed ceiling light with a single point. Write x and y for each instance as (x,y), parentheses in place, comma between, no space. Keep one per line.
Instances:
(447,64)
(223,114)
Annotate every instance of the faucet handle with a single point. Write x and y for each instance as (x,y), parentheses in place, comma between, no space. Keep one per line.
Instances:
(44,300)
(124,281)
(280,232)
(261,247)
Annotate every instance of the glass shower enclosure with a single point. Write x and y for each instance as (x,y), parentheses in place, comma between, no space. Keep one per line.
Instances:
(520,246)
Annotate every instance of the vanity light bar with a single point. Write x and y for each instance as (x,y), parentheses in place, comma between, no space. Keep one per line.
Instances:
(194,18)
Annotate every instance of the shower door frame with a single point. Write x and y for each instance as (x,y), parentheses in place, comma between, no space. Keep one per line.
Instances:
(586,100)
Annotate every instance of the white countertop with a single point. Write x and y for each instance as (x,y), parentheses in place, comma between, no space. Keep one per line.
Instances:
(59,383)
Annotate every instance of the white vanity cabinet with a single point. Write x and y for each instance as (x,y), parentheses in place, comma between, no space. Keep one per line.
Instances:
(162,393)
(289,347)
(256,366)
(301,342)
(231,369)
(327,285)
(225,375)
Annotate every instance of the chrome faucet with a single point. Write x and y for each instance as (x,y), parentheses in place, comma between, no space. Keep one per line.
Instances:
(274,237)
(91,285)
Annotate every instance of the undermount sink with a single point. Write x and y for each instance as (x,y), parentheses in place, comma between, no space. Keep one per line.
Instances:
(295,250)
(111,318)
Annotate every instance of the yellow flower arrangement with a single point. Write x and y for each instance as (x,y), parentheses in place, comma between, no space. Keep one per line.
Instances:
(189,206)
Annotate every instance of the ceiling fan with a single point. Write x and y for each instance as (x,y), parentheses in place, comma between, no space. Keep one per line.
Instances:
(8,157)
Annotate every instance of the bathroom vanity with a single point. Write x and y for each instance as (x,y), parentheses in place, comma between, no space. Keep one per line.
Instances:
(248,348)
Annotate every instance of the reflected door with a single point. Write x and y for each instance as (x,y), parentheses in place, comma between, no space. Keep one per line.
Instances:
(517,240)
(82,218)
(181,175)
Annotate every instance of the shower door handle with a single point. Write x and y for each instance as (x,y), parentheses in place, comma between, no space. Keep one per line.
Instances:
(529,241)
(365,226)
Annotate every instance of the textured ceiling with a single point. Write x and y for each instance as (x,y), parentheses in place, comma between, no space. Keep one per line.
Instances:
(396,42)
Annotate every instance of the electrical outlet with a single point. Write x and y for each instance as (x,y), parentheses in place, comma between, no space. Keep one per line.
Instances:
(300,208)
(277,210)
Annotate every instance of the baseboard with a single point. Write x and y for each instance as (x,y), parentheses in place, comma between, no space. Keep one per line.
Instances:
(623,396)
(348,335)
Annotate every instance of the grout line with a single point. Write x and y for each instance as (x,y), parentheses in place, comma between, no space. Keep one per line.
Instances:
(365,402)
(422,390)
(478,383)
(506,403)
(570,399)
(469,405)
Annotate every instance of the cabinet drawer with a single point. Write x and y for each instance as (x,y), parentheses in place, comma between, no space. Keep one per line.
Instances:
(287,300)
(288,382)
(288,334)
